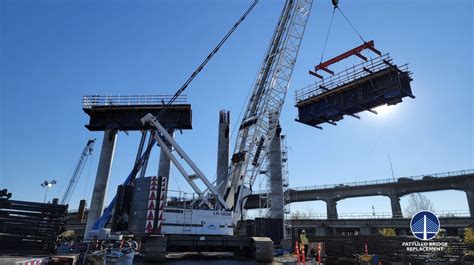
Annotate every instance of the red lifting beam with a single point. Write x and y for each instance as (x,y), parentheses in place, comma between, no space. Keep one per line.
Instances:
(356,51)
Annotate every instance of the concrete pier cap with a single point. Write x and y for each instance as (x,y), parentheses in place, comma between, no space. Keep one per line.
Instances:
(113,113)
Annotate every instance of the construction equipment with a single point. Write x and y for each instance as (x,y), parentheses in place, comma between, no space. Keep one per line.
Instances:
(219,213)
(261,117)
(86,152)
(108,211)
(262,114)
(142,160)
(207,220)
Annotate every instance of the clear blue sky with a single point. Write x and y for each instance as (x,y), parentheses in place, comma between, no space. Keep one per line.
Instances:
(53,52)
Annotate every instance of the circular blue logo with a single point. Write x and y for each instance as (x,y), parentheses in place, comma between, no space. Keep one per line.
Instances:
(424,225)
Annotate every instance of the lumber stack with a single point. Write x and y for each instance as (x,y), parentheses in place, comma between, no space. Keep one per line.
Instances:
(29,227)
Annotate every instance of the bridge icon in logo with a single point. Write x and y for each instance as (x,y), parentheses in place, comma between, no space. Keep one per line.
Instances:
(424,225)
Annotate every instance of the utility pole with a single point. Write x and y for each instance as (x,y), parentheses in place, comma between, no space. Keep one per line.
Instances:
(391,167)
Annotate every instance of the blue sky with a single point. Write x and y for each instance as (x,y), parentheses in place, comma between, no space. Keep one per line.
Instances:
(53,52)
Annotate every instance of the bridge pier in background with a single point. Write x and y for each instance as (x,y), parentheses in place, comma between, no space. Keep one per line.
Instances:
(396,208)
(331,209)
(102,178)
(470,201)
(223,149)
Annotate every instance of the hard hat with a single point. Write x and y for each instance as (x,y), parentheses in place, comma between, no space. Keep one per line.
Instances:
(302,231)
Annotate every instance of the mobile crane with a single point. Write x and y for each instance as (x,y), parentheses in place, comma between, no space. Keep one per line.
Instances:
(218,213)
(256,131)
(261,117)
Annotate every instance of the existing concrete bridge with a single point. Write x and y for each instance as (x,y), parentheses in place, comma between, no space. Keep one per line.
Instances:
(453,225)
(460,180)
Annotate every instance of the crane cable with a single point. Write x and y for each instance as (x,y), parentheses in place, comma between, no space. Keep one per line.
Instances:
(327,34)
(213,52)
(355,30)
(330,27)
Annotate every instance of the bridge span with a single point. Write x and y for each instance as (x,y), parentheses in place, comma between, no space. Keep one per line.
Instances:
(454,226)
(462,180)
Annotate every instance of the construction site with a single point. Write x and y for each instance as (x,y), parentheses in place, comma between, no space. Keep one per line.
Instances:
(176,203)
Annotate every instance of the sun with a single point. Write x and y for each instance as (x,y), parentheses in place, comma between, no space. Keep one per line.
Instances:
(384,110)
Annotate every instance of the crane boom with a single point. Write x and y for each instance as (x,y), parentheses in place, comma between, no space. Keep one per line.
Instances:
(86,152)
(264,107)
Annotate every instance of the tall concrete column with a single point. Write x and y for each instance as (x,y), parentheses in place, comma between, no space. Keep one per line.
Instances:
(331,209)
(164,165)
(396,208)
(223,149)
(102,178)
(470,201)
(276,177)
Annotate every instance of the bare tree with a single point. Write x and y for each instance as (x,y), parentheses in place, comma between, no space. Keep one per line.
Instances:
(418,202)
(298,215)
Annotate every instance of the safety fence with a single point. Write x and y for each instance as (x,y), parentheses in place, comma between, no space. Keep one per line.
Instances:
(91,101)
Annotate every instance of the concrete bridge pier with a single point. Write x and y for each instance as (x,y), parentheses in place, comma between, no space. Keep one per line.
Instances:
(470,201)
(102,178)
(331,209)
(276,177)
(396,208)
(164,164)
(223,149)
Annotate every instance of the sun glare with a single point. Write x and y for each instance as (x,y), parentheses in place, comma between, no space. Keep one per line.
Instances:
(384,110)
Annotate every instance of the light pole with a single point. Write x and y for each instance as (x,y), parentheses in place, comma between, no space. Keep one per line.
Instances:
(46,185)
(391,167)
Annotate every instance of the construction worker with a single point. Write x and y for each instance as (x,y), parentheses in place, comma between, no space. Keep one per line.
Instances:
(304,241)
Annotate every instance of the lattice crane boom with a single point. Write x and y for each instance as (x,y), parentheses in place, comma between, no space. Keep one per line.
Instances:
(86,152)
(264,107)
